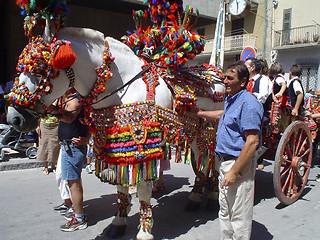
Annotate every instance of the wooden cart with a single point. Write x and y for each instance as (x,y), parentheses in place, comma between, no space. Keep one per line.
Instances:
(288,140)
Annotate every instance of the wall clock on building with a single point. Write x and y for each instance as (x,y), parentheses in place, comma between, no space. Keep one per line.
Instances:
(239,7)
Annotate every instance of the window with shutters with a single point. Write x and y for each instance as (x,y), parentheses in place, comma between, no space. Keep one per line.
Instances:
(286,26)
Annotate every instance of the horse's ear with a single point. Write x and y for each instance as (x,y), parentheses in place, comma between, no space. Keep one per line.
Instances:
(49,30)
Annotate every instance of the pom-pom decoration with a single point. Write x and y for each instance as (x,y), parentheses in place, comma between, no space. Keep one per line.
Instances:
(169,42)
(103,74)
(41,60)
(35,60)
(63,56)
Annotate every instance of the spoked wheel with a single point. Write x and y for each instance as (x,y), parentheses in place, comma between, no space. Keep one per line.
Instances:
(3,155)
(292,162)
(31,152)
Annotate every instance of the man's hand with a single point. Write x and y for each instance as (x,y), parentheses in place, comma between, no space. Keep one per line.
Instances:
(294,112)
(229,179)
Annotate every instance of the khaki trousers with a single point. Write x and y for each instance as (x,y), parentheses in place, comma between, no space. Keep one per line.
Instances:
(236,202)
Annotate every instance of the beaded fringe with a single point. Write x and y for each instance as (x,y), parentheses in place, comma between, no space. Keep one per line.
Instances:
(128,175)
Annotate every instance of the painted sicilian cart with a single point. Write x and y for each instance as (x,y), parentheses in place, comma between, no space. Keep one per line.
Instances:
(128,96)
(288,140)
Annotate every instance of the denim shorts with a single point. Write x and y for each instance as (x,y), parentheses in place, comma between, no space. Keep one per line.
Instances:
(72,160)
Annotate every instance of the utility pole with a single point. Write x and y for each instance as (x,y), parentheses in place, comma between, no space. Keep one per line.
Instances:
(217,54)
(268,28)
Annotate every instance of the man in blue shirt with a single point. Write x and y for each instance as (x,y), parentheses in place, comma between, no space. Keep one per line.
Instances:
(238,137)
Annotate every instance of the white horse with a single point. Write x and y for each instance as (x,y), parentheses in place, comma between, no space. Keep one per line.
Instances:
(89,46)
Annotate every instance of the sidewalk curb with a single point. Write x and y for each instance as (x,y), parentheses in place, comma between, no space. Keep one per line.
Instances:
(18,164)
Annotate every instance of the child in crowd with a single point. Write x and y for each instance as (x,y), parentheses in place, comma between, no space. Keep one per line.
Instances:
(295,90)
(279,93)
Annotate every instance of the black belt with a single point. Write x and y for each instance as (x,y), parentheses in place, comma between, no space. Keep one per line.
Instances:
(226,158)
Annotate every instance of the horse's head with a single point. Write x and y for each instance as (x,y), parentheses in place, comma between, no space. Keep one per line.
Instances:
(42,78)
(33,87)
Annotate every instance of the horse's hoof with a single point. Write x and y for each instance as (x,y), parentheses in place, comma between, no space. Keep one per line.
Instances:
(212,204)
(192,206)
(144,235)
(116,231)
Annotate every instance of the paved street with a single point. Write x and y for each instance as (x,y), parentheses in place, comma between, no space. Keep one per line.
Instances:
(27,199)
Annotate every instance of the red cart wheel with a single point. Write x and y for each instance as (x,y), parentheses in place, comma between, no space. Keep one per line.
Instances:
(292,162)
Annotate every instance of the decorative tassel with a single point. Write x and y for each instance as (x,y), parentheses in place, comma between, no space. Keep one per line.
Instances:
(208,162)
(167,152)
(188,155)
(178,157)
(199,162)
(63,56)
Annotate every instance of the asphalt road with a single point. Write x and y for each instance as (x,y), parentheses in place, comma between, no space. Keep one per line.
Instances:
(27,198)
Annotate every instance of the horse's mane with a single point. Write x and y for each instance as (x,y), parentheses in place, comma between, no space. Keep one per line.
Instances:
(90,34)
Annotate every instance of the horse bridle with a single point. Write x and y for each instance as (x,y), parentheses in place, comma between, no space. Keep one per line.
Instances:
(124,85)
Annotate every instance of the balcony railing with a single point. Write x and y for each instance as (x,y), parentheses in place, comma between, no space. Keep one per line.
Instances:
(299,35)
(234,43)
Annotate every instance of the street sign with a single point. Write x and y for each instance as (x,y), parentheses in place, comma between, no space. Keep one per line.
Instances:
(247,52)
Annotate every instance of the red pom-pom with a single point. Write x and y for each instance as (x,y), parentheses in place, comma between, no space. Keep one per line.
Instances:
(63,57)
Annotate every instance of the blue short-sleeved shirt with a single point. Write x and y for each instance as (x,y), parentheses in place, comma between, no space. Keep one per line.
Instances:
(241,112)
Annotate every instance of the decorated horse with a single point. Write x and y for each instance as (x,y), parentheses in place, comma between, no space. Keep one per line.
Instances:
(135,107)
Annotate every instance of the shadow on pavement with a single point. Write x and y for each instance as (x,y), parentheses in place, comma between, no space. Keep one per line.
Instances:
(171,183)
(170,215)
(259,231)
(168,212)
(99,209)
(263,186)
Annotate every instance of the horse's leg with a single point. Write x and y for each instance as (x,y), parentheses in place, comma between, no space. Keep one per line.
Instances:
(195,197)
(118,226)
(144,192)
(213,190)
